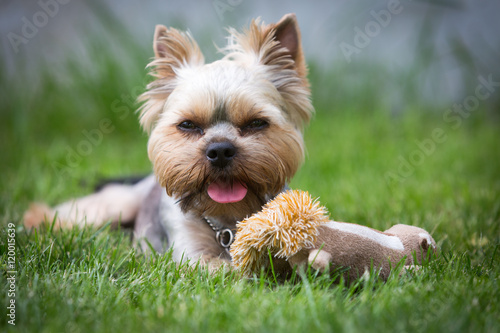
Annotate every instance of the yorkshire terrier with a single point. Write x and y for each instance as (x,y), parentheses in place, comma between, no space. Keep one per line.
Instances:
(224,138)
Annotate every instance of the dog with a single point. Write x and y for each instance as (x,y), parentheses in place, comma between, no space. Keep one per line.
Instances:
(224,138)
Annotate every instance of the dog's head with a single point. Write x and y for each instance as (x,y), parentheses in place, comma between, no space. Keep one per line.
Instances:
(227,136)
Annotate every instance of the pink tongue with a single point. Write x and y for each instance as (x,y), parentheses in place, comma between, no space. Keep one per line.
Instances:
(225,192)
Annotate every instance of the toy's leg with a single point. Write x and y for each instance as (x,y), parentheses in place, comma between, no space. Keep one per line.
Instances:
(319,259)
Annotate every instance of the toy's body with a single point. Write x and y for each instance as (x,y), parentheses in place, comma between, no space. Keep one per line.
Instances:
(295,228)
(358,247)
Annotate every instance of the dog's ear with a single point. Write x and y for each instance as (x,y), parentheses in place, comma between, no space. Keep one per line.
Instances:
(174,51)
(276,44)
(159,47)
(287,32)
(278,47)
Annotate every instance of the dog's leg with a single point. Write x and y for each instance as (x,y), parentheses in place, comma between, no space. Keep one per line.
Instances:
(163,224)
(148,230)
(114,203)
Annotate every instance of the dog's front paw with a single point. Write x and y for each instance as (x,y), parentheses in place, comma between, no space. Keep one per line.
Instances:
(215,264)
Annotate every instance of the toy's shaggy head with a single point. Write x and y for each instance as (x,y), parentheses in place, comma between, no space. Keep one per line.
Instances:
(285,226)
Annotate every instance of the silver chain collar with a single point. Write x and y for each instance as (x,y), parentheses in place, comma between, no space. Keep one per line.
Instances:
(224,236)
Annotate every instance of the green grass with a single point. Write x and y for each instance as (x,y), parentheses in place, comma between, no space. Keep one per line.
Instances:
(94,280)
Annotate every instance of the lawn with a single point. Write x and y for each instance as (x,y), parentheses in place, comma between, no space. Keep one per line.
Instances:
(367,162)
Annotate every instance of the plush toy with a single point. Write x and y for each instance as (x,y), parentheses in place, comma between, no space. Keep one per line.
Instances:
(295,228)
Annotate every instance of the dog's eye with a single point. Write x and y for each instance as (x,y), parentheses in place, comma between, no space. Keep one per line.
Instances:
(189,126)
(257,124)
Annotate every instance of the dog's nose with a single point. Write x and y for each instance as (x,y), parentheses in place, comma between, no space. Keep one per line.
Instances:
(220,153)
